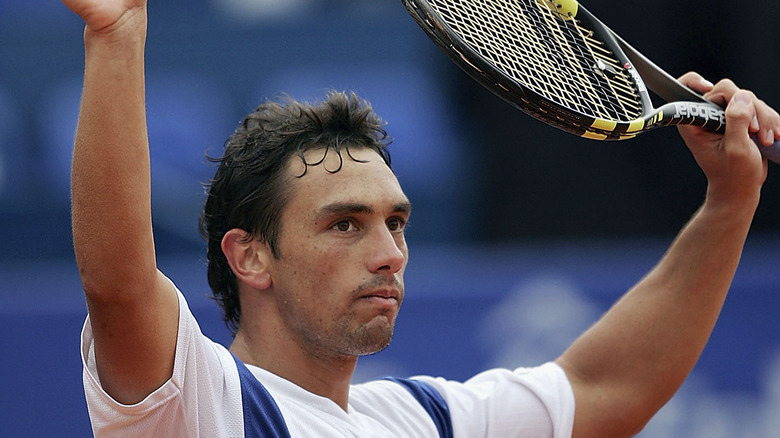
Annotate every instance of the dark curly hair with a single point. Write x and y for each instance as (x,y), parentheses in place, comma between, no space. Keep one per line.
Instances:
(248,190)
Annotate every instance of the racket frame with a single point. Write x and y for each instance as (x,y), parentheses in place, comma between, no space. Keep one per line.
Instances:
(685,106)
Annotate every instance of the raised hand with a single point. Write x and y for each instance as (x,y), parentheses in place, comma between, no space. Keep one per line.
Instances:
(102,16)
(732,162)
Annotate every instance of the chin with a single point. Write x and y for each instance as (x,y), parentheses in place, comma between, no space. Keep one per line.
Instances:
(375,350)
(372,340)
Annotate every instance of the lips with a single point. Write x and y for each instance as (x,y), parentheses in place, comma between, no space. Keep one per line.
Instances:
(383,298)
(381,291)
(388,294)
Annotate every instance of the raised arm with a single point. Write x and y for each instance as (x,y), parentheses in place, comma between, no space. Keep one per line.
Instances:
(632,361)
(133,309)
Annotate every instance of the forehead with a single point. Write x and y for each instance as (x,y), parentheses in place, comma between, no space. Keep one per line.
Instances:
(360,176)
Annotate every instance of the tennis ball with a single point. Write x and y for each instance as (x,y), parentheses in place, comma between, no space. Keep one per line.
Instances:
(566,8)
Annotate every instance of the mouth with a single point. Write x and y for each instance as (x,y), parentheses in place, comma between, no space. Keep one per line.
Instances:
(385,298)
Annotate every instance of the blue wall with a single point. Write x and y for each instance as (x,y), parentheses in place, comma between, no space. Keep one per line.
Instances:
(468,308)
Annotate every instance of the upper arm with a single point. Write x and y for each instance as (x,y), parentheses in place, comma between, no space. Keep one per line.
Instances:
(135,337)
(621,371)
(594,415)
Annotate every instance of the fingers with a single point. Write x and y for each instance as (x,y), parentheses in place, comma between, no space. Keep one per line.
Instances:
(768,122)
(764,122)
(740,116)
(103,16)
(696,82)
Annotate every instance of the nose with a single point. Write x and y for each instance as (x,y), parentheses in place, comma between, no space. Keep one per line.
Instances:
(388,252)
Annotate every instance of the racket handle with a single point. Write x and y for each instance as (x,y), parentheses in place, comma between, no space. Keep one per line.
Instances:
(772,152)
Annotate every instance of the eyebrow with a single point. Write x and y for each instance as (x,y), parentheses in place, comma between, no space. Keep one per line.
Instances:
(352,208)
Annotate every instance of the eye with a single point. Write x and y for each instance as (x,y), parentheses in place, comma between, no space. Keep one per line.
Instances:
(396,224)
(343,226)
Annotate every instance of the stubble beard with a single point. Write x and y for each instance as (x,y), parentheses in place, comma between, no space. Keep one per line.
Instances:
(348,336)
(370,338)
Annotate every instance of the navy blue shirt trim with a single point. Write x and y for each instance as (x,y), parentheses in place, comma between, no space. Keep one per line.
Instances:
(433,403)
(262,418)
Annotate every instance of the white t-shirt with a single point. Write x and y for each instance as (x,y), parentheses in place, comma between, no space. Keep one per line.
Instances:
(203,399)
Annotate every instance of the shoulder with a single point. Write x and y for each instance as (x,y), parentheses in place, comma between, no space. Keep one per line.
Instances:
(205,380)
(506,403)
(407,407)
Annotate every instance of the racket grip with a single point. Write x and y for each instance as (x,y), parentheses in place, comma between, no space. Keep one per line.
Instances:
(772,152)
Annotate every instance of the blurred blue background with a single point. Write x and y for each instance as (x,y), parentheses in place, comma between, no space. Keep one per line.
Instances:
(521,237)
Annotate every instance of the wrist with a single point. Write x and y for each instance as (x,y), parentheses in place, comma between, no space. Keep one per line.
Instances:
(738,205)
(127,32)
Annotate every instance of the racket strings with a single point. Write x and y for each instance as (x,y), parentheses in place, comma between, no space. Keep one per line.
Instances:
(608,94)
(556,58)
(622,86)
(555,35)
(521,65)
(589,89)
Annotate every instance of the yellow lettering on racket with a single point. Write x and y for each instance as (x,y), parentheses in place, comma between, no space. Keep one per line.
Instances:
(605,125)
(636,125)
(564,9)
(655,119)
(593,135)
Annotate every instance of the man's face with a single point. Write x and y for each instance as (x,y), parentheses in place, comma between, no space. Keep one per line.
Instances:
(339,280)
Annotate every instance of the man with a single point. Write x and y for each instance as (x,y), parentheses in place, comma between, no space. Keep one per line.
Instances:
(314,278)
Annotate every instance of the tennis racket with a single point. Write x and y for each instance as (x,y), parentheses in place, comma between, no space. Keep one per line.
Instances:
(557,62)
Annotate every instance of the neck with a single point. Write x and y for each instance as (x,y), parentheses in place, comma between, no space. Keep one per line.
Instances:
(320,374)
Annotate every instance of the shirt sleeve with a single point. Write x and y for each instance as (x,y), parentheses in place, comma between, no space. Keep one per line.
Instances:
(202,397)
(527,402)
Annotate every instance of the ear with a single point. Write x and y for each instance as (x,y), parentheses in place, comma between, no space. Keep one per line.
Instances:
(248,258)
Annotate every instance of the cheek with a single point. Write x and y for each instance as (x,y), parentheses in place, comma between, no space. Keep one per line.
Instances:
(319,268)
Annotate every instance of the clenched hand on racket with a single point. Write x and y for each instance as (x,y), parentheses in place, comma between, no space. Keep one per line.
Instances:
(732,163)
